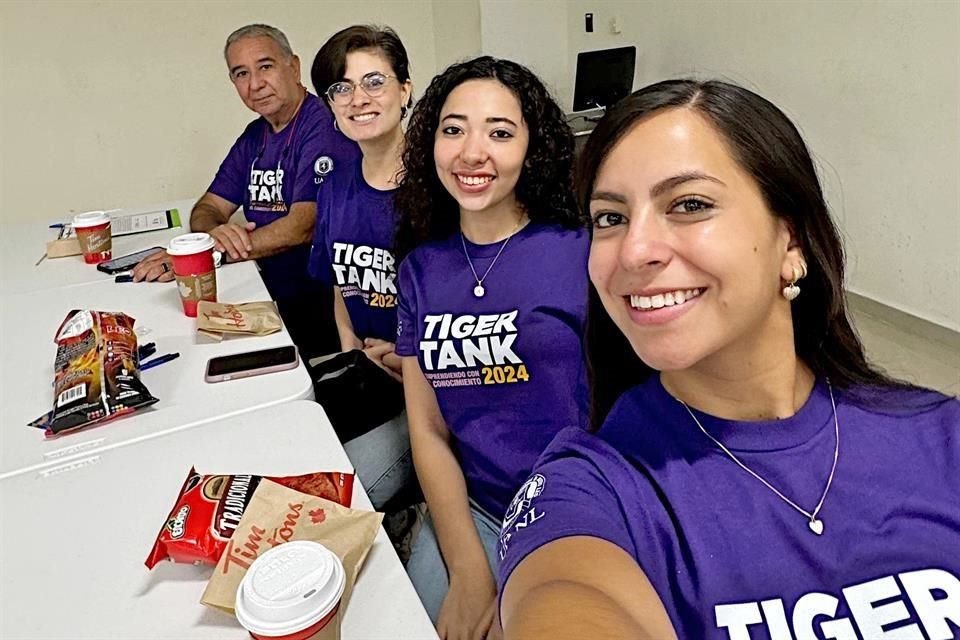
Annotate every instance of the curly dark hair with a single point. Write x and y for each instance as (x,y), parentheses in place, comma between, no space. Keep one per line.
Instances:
(544,191)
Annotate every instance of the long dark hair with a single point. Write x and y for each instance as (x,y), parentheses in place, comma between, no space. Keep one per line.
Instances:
(544,190)
(330,63)
(768,146)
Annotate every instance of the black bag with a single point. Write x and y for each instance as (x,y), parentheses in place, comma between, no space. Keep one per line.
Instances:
(355,393)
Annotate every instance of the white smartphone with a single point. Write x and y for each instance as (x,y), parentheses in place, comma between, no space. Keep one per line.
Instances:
(251,363)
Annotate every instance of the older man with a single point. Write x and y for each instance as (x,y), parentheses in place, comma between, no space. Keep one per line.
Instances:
(273,170)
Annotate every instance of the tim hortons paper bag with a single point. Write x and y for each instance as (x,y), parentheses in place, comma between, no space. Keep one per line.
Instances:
(276,515)
(216,319)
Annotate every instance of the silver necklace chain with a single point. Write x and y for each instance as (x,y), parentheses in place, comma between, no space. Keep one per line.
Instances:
(479,290)
(813,523)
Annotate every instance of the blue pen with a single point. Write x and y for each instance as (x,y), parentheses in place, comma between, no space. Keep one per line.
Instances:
(57,225)
(156,362)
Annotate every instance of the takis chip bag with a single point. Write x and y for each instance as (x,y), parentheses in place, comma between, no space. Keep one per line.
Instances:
(96,371)
(209,509)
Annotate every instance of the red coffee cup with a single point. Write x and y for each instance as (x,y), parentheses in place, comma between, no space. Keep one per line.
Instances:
(193,267)
(93,232)
(292,592)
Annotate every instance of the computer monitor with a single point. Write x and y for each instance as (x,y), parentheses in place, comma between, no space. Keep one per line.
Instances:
(603,77)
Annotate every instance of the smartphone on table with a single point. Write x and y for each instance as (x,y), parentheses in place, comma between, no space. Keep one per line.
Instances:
(251,363)
(127,262)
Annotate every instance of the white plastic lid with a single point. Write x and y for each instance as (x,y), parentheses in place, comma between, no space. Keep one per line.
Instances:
(90,219)
(190,243)
(290,588)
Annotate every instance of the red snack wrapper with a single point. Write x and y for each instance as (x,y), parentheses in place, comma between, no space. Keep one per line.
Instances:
(209,509)
(96,372)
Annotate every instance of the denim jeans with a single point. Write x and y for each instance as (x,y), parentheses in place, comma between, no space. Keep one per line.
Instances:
(426,569)
(382,459)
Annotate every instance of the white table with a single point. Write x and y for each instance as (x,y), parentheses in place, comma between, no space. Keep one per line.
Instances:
(22,244)
(74,537)
(28,323)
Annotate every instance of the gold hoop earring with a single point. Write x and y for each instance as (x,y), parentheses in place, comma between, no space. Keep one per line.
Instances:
(791,291)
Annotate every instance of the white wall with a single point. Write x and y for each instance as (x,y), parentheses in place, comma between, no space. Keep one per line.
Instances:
(875,89)
(108,104)
(456,32)
(532,32)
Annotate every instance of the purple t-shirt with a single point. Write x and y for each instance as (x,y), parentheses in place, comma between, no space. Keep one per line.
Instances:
(267,172)
(353,249)
(730,559)
(508,369)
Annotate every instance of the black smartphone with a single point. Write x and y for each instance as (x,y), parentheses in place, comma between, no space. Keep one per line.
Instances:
(127,262)
(251,363)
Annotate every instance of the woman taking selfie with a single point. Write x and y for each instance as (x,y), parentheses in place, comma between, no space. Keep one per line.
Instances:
(762,480)
(493,294)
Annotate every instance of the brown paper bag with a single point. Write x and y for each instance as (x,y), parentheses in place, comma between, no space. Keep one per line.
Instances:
(216,319)
(276,515)
(66,244)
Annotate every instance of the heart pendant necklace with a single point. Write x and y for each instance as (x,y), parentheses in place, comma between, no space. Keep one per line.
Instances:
(815,524)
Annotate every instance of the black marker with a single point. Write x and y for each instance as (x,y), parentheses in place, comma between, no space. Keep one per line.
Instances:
(147,350)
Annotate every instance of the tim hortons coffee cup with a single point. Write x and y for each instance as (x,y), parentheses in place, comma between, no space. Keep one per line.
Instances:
(194,270)
(93,232)
(292,592)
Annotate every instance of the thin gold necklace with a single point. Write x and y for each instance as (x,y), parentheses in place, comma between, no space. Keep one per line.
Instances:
(815,524)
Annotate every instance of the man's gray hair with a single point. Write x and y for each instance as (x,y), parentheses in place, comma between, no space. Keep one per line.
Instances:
(257,31)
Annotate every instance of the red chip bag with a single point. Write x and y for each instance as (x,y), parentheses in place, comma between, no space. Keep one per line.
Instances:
(209,508)
(96,372)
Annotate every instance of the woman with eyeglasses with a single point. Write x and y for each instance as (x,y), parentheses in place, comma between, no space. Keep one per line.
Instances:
(364,73)
(493,295)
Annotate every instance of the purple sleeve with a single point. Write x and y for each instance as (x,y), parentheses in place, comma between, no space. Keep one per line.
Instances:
(406,344)
(317,142)
(230,182)
(572,491)
(318,264)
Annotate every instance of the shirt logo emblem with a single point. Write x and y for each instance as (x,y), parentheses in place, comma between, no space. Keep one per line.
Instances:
(521,513)
(323,166)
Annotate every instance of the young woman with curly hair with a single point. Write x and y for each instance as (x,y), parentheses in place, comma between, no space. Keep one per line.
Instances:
(493,295)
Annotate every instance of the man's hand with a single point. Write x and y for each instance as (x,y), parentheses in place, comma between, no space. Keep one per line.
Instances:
(234,239)
(467,612)
(384,356)
(157,266)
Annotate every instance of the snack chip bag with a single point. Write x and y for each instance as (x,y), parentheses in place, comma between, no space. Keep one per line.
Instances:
(209,508)
(96,371)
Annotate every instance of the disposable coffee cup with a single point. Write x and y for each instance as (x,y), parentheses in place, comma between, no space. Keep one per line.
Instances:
(93,232)
(292,592)
(193,267)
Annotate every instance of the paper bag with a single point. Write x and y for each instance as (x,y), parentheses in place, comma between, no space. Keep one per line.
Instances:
(66,244)
(276,515)
(216,319)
